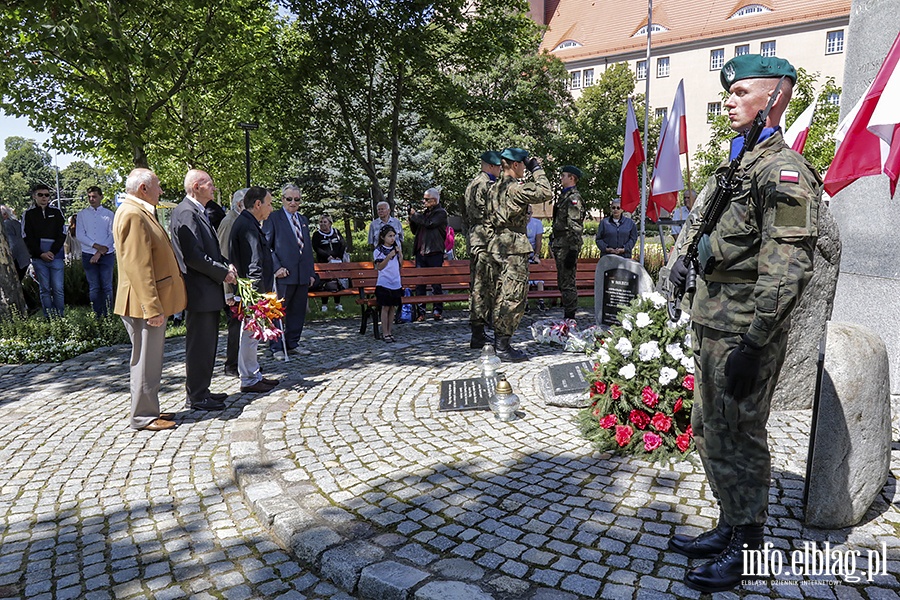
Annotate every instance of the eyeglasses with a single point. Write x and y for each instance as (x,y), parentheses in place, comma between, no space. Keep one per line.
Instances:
(41,195)
(291,199)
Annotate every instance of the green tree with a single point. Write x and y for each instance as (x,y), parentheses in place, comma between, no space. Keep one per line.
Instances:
(24,165)
(99,74)
(594,139)
(76,178)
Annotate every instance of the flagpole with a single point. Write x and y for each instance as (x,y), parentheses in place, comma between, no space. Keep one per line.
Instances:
(646,126)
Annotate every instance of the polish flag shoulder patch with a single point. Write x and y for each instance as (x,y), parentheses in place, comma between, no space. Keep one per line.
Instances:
(789,177)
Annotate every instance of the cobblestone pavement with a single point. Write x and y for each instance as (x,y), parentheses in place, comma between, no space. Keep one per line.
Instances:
(346,482)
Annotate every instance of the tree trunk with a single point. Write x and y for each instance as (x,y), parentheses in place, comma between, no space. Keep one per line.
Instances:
(11,295)
(140,157)
(348,234)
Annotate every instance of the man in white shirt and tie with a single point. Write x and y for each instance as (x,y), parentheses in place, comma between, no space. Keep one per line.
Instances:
(98,251)
(287,232)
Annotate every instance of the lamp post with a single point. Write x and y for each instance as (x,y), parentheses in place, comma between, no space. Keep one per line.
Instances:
(248,127)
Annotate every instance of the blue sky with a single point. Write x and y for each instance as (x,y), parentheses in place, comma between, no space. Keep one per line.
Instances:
(10,126)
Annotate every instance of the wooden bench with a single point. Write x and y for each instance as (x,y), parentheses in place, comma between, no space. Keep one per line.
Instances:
(453,276)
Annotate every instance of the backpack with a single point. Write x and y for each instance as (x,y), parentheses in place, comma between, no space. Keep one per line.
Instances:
(406,310)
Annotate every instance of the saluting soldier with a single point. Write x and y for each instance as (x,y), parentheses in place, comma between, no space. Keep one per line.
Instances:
(568,224)
(757,262)
(509,247)
(482,275)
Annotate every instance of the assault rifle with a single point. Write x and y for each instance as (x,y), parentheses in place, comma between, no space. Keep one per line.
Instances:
(726,184)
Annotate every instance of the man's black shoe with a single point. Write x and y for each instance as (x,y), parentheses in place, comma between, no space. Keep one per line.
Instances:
(218,395)
(257,388)
(208,404)
(506,352)
(726,571)
(270,382)
(706,545)
(232,371)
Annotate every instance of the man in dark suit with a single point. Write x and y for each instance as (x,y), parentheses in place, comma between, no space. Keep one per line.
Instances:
(150,289)
(197,250)
(251,254)
(287,232)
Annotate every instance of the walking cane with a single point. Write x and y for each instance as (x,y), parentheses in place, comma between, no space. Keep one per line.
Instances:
(281,322)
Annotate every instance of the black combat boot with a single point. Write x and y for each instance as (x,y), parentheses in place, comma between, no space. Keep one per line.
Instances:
(569,314)
(507,353)
(726,571)
(706,545)
(478,338)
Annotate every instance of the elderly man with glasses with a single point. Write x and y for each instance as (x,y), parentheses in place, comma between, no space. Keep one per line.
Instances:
(287,232)
(430,229)
(44,234)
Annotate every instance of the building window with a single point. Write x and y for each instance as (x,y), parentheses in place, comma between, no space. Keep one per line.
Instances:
(588,77)
(662,113)
(713,110)
(767,48)
(716,59)
(834,42)
(742,49)
(567,44)
(575,80)
(662,67)
(750,9)
(834,98)
(641,69)
(655,28)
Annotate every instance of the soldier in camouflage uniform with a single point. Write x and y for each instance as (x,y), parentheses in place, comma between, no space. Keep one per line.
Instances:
(483,276)
(757,261)
(568,218)
(509,247)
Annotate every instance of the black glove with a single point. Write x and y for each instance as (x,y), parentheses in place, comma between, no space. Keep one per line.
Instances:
(679,272)
(742,369)
(570,261)
(531,163)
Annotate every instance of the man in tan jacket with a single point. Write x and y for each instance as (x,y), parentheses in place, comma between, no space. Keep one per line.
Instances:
(150,289)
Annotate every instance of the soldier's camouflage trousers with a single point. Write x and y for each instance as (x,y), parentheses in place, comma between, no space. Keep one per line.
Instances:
(731,434)
(483,286)
(512,291)
(566,277)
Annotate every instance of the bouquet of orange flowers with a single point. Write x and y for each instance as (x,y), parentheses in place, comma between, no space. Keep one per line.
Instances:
(257,311)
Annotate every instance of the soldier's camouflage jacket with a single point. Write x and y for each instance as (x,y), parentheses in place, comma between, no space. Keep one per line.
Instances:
(508,209)
(476,203)
(763,244)
(568,220)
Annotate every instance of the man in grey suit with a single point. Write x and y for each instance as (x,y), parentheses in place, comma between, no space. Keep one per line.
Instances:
(205,270)
(287,232)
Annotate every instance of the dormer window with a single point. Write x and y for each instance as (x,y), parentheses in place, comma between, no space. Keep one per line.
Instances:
(750,9)
(567,44)
(655,28)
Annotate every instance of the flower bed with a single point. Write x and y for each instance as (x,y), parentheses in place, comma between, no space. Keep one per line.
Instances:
(642,386)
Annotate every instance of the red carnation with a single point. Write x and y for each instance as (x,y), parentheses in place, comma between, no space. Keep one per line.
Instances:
(608,421)
(683,442)
(679,404)
(661,422)
(623,434)
(639,418)
(690,430)
(615,391)
(688,383)
(649,397)
(598,387)
(651,441)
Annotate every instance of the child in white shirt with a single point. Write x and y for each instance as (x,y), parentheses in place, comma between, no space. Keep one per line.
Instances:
(388,257)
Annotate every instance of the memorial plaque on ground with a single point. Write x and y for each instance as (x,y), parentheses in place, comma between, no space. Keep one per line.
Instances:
(566,384)
(467,394)
(617,282)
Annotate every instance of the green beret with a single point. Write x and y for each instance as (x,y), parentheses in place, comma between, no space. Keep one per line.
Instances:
(491,157)
(515,154)
(752,66)
(573,170)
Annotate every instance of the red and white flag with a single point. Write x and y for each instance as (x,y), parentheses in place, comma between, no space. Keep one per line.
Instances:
(667,180)
(795,137)
(629,189)
(869,136)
